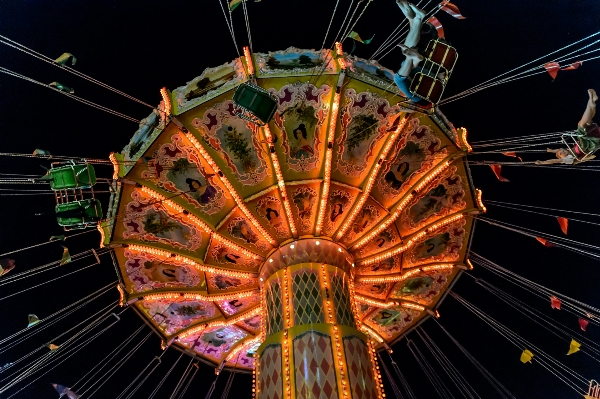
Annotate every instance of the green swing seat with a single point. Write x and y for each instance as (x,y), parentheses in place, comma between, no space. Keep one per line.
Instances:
(78,214)
(254,104)
(71,177)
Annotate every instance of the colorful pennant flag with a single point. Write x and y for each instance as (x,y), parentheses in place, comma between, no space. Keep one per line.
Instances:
(451,9)
(57,238)
(66,258)
(526,356)
(497,169)
(62,391)
(61,87)
(438,27)
(32,319)
(573,66)
(512,154)
(555,302)
(573,347)
(65,58)
(563,223)
(6,265)
(233,4)
(39,151)
(552,68)
(544,242)
(52,347)
(354,35)
(583,323)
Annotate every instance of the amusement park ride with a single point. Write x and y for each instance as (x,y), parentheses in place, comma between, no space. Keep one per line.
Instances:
(288,214)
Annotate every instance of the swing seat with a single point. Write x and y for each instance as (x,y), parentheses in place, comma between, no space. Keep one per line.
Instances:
(71,177)
(254,104)
(431,78)
(78,214)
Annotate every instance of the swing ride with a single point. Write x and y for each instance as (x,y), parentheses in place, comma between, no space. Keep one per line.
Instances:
(292,215)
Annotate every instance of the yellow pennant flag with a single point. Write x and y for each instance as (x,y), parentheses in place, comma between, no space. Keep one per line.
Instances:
(233,4)
(354,35)
(66,258)
(65,58)
(574,347)
(52,347)
(526,356)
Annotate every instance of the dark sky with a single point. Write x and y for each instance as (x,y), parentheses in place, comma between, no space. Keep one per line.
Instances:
(139,47)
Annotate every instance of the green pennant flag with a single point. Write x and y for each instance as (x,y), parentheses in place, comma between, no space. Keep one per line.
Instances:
(233,4)
(66,258)
(57,238)
(354,35)
(32,320)
(61,87)
(65,58)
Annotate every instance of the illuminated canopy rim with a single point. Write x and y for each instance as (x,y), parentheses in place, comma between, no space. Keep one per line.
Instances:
(210,205)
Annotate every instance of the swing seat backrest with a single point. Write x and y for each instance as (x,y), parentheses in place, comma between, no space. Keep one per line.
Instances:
(83,213)
(72,177)
(254,103)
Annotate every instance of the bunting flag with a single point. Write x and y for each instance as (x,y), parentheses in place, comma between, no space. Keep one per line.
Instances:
(526,356)
(233,4)
(544,242)
(65,58)
(52,347)
(66,258)
(497,169)
(61,87)
(552,68)
(6,265)
(451,9)
(583,323)
(573,347)
(512,154)
(57,238)
(573,66)
(32,319)
(39,151)
(62,391)
(438,27)
(555,302)
(354,35)
(563,223)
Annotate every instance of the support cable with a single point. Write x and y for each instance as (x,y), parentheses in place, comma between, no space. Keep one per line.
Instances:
(429,372)
(146,376)
(44,243)
(395,388)
(539,213)
(165,377)
(181,381)
(189,382)
(402,379)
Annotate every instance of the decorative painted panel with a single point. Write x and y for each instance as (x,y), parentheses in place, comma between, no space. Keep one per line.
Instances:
(294,62)
(392,321)
(271,377)
(306,291)
(219,283)
(314,367)
(236,306)
(215,342)
(360,372)
(172,315)
(423,288)
(441,246)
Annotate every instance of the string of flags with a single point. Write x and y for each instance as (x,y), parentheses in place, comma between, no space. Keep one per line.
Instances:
(66,257)
(497,169)
(6,265)
(451,9)
(233,4)
(355,36)
(65,58)
(553,67)
(32,320)
(61,87)
(65,391)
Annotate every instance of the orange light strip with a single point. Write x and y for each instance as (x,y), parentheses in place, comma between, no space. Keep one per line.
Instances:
(166,101)
(249,62)
(286,353)
(390,304)
(221,323)
(102,237)
(410,196)
(340,54)
(237,350)
(192,331)
(280,180)
(232,191)
(196,221)
(255,377)
(411,242)
(372,177)
(372,333)
(199,297)
(404,276)
(203,268)
(478,194)
(353,296)
(341,365)
(121,295)
(463,136)
(115,163)
(375,365)
(328,156)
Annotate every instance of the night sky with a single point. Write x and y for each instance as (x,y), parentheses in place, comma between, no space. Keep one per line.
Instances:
(139,47)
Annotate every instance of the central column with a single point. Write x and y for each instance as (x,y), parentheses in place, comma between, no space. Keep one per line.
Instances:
(312,348)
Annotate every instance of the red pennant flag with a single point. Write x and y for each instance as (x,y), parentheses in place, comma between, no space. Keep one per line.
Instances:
(544,242)
(512,154)
(583,323)
(497,169)
(451,9)
(564,224)
(438,26)
(554,302)
(552,68)
(573,66)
